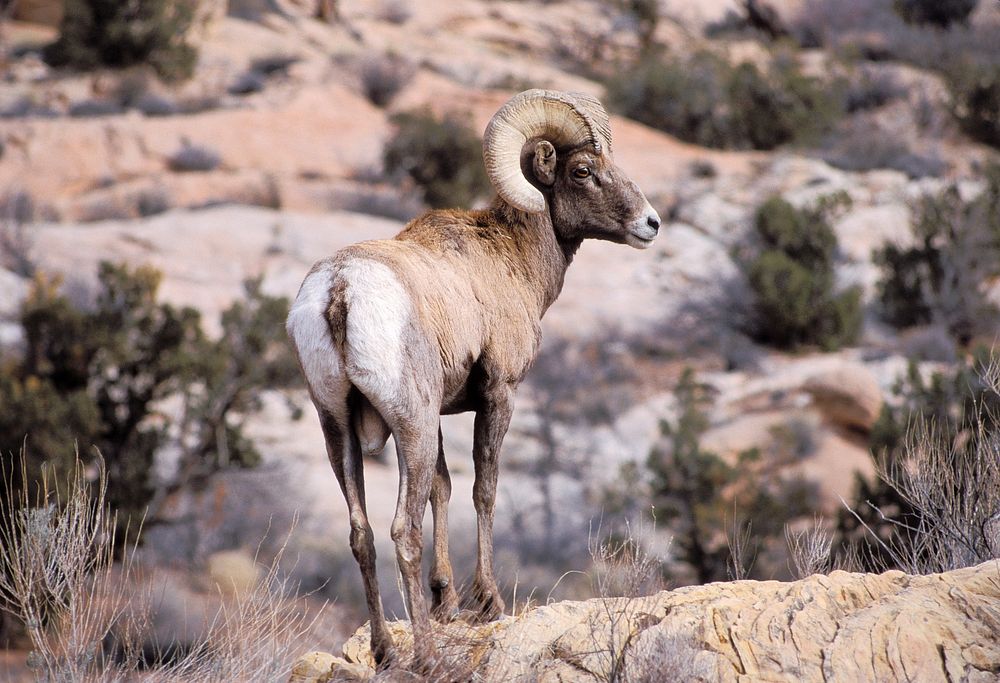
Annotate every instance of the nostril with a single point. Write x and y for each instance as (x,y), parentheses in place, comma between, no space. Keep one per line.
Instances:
(653,222)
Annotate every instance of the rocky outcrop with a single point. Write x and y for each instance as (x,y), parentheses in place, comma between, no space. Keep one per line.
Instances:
(837,627)
(848,395)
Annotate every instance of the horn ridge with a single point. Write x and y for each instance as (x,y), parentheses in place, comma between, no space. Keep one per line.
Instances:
(565,119)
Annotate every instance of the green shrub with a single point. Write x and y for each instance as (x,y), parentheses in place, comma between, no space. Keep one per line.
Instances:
(705,100)
(941,13)
(791,279)
(785,295)
(443,156)
(681,98)
(784,105)
(975,94)
(97,33)
(94,377)
(940,278)
(194,158)
(803,236)
(696,493)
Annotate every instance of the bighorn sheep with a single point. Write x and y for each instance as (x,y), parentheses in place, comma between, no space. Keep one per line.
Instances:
(444,318)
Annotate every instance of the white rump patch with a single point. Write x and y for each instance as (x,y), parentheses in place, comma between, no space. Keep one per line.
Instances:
(310,332)
(378,308)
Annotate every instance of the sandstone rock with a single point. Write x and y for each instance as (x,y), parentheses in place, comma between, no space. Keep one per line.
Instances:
(322,667)
(863,230)
(207,15)
(303,9)
(11,336)
(848,395)
(233,572)
(715,216)
(63,160)
(841,627)
(314,667)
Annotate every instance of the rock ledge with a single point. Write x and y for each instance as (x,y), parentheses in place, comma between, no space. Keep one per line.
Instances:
(836,627)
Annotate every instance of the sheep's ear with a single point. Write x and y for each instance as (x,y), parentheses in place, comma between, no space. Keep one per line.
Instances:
(545,163)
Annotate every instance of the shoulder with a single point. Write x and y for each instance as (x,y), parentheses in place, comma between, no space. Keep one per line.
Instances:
(447,229)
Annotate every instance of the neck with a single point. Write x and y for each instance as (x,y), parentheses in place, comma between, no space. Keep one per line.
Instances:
(541,257)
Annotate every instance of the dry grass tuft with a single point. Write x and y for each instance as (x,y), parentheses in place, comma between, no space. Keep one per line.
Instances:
(59,576)
(810,549)
(952,482)
(57,563)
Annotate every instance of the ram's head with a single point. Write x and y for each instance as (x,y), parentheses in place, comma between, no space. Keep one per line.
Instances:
(551,151)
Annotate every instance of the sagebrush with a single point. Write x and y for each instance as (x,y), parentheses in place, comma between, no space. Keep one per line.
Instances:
(935,505)
(60,579)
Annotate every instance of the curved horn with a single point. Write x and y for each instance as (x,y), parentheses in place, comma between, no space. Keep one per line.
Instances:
(564,119)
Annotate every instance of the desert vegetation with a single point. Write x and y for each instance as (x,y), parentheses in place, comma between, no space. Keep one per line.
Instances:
(442,156)
(975,91)
(106,33)
(65,577)
(941,14)
(96,373)
(932,506)
(791,279)
(383,76)
(704,99)
(726,518)
(939,280)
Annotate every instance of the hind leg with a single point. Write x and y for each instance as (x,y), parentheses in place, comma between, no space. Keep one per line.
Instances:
(417,448)
(345,455)
(444,598)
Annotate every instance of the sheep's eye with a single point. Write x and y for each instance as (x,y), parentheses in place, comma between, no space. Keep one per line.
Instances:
(582,172)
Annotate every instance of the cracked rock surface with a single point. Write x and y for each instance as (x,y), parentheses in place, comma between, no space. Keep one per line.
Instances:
(836,627)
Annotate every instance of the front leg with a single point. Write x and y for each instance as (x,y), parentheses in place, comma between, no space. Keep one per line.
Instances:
(491,425)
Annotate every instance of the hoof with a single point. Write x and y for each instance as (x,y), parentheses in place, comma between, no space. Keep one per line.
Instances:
(446,616)
(385,657)
(491,605)
(446,609)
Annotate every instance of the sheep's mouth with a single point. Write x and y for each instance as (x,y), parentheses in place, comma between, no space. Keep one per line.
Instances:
(634,239)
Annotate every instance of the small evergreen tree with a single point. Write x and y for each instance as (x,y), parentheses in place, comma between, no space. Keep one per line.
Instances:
(97,33)
(975,100)
(792,281)
(698,494)
(94,377)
